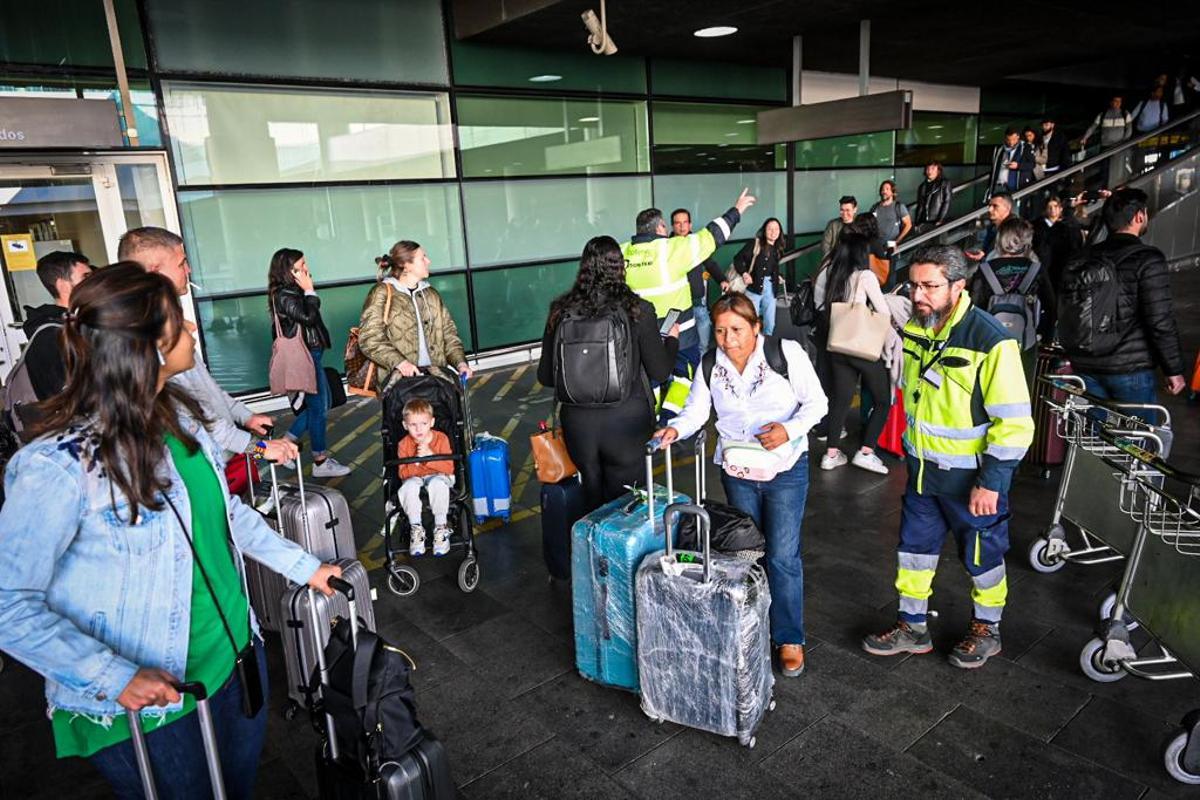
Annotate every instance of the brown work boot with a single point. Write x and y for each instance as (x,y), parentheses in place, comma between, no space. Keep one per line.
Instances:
(791,659)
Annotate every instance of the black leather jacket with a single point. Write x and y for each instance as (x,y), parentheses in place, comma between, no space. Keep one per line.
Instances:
(933,202)
(294,306)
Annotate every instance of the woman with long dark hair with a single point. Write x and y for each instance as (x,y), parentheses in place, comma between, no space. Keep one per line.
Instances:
(758,262)
(293,301)
(851,281)
(608,443)
(933,199)
(121,552)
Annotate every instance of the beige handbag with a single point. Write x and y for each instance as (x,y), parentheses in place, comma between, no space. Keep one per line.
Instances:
(856,330)
(737,284)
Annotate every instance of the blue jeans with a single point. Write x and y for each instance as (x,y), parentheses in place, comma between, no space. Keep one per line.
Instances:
(316,410)
(1134,387)
(765,303)
(777,507)
(177,751)
(703,325)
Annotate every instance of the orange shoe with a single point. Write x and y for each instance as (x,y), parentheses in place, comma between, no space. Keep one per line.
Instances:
(791,659)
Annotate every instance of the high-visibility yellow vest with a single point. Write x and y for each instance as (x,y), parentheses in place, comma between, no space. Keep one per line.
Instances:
(656,269)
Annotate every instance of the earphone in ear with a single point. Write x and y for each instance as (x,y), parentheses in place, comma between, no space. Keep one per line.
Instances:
(162,360)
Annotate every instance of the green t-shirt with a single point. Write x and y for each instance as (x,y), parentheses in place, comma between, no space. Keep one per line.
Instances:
(210,656)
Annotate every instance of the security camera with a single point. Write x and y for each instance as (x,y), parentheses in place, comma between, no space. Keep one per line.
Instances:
(598,36)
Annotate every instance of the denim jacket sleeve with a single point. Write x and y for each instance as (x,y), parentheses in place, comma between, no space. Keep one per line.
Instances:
(37,525)
(255,538)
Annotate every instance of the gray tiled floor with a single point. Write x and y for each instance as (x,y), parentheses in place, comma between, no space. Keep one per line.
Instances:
(495,677)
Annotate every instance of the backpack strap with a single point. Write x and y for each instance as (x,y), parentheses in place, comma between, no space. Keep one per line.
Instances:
(993,282)
(706,366)
(1031,274)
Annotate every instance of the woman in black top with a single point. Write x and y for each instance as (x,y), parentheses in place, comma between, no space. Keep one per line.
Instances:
(758,263)
(608,444)
(294,302)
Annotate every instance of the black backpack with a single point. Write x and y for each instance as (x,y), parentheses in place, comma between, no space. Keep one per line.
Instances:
(803,308)
(594,360)
(369,697)
(1090,307)
(772,349)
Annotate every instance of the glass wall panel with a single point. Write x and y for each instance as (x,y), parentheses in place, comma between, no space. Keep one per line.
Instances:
(491,65)
(948,138)
(708,196)
(669,76)
(691,137)
(366,40)
(68,33)
(502,136)
(529,220)
(863,150)
(817,193)
(518,301)
(239,134)
(232,234)
(237,330)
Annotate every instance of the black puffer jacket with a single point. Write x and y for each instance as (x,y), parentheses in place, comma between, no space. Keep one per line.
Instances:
(1152,337)
(294,306)
(933,202)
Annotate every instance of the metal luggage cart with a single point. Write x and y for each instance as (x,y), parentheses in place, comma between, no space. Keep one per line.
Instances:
(1161,591)
(1093,470)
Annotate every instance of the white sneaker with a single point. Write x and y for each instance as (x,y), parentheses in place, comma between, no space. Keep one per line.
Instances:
(441,540)
(329,468)
(833,462)
(870,462)
(416,540)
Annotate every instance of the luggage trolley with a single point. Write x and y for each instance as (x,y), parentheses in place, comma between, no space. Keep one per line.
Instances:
(1092,464)
(1161,590)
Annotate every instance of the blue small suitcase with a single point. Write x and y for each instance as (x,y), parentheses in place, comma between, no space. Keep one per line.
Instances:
(491,492)
(606,548)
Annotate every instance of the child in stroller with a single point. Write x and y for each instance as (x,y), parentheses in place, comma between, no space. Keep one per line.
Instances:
(435,477)
(445,397)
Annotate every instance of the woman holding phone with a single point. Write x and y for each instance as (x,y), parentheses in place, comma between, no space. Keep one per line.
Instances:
(761,411)
(293,301)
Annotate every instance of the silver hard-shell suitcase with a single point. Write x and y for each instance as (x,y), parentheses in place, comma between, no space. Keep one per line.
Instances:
(316,518)
(300,642)
(704,637)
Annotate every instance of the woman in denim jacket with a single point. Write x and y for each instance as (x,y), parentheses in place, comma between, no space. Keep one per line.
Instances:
(101,591)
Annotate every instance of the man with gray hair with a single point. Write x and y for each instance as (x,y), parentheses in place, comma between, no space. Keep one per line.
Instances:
(969,426)
(1011,286)
(159,250)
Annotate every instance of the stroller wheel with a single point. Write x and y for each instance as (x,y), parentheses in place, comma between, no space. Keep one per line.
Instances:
(403,580)
(468,574)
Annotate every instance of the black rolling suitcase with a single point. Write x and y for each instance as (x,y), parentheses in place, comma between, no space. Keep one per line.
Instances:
(347,672)
(562,507)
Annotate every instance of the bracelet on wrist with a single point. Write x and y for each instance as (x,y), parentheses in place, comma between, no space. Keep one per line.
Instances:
(260,449)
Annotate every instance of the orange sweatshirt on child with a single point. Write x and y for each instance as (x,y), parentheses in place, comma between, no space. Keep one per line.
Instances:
(439,445)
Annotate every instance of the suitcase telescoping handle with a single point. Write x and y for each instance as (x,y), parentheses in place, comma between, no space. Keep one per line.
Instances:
(208,734)
(651,446)
(303,500)
(703,527)
(346,588)
(701,480)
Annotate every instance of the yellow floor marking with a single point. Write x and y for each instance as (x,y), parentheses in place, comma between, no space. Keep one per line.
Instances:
(516,376)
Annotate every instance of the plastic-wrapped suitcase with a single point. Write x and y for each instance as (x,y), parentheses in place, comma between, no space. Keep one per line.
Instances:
(606,547)
(1049,449)
(300,642)
(704,637)
(562,506)
(316,518)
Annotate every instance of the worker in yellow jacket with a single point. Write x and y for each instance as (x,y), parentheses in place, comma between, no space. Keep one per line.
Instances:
(657,270)
(969,425)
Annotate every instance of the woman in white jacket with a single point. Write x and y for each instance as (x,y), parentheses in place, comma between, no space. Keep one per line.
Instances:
(763,420)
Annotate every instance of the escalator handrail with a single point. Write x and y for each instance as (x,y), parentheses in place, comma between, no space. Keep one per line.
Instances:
(970,217)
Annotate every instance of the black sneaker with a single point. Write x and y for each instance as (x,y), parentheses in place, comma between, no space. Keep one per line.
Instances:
(981,643)
(903,638)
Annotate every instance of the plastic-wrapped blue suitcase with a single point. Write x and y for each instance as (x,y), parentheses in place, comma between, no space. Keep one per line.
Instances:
(704,637)
(606,548)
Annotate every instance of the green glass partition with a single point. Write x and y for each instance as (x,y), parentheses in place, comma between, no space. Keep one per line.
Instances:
(555,70)
(68,33)
(715,79)
(948,138)
(231,234)
(708,196)
(518,300)
(696,137)
(863,150)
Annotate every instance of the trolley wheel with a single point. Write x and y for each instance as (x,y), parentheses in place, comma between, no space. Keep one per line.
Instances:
(1092,663)
(290,710)
(468,574)
(1040,560)
(750,744)
(1106,611)
(1173,760)
(403,580)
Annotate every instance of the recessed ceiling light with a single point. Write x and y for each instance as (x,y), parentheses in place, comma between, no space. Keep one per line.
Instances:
(746,121)
(935,127)
(735,133)
(589,119)
(714,32)
(545,78)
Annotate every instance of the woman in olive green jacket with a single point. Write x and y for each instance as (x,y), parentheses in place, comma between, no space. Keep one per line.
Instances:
(416,330)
